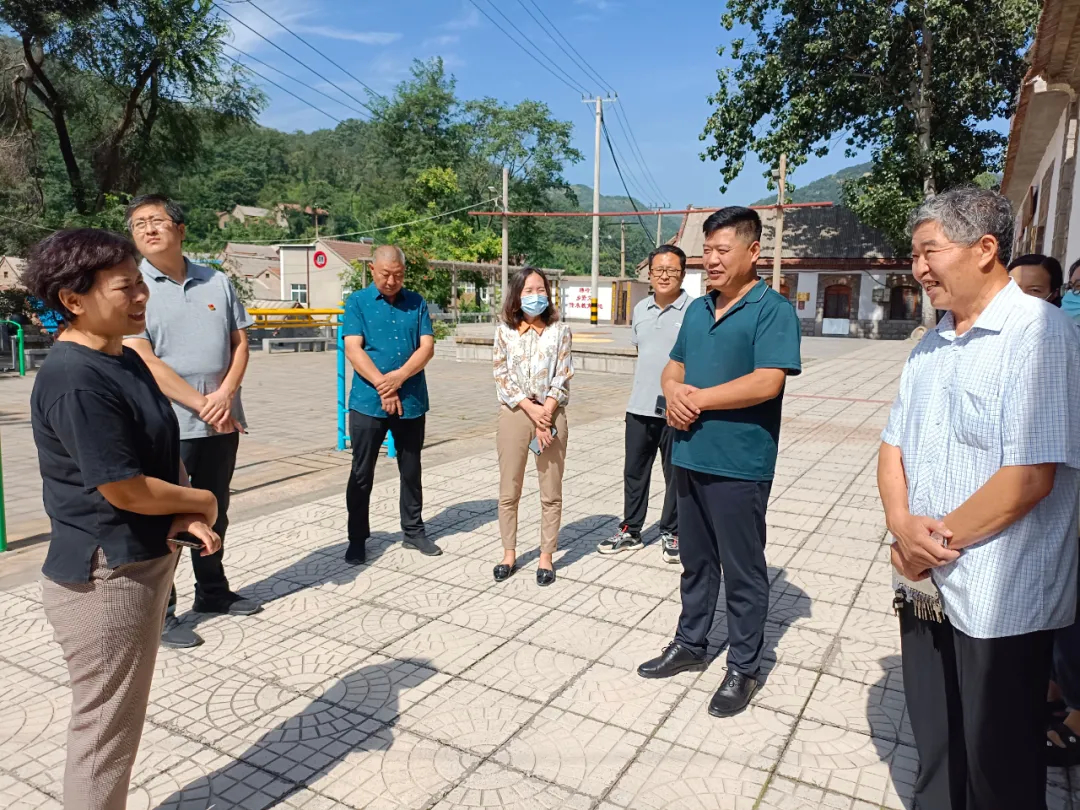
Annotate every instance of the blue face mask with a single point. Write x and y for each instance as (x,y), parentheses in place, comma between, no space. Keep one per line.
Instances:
(1070,304)
(533,305)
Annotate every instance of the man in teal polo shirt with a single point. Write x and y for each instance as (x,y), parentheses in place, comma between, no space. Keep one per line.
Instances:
(724,387)
(388,340)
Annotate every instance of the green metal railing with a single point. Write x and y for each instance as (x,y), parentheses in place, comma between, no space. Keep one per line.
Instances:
(20,343)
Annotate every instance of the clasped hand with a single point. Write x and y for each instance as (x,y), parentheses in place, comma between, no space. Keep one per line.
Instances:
(916,550)
(681,410)
(217,412)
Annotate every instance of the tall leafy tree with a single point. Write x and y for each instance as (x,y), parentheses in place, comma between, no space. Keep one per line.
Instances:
(124,83)
(916,82)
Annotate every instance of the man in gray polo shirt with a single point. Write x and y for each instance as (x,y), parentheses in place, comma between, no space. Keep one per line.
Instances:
(656,323)
(196,348)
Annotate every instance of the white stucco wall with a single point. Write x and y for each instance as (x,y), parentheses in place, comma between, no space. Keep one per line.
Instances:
(868,310)
(1052,157)
(808,284)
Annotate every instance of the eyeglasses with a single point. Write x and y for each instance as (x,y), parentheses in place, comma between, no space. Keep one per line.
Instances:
(1071,286)
(664,272)
(141,225)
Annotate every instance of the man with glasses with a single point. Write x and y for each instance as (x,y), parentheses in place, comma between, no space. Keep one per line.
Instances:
(655,326)
(978,472)
(196,348)
(388,340)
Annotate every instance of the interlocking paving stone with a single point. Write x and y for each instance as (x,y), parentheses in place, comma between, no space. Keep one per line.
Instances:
(417,682)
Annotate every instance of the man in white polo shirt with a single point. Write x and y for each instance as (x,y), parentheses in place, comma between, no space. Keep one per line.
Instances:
(656,323)
(978,471)
(196,348)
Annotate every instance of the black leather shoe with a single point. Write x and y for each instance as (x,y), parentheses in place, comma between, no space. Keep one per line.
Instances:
(674,659)
(733,695)
(423,545)
(545,576)
(356,554)
(503,572)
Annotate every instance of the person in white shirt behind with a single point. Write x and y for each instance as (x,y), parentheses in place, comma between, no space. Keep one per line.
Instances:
(978,471)
(533,367)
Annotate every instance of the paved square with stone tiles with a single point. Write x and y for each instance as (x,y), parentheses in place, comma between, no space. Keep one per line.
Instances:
(415,682)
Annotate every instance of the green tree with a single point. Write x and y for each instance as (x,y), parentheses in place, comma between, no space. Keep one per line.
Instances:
(915,82)
(124,84)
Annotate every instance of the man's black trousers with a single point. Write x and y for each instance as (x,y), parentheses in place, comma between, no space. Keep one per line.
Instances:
(644,436)
(722,531)
(977,709)
(210,463)
(367,434)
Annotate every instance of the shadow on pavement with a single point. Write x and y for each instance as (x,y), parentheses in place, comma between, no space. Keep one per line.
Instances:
(305,747)
(885,730)
(327,566)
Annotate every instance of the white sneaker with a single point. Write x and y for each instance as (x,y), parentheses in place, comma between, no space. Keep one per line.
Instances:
(670,544)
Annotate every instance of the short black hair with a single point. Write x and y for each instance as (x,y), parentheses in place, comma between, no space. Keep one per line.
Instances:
(70,260)
(745,221)
(1047,263)
(669,249)
(175,212)
(1072,269)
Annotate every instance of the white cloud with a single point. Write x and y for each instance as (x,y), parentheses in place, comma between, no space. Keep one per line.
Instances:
(441,41)
(288,12)
(363,37)
(470,18)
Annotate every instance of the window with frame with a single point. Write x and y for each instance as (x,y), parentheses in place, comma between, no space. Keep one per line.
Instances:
(904,304)
(838,301)
(298,293)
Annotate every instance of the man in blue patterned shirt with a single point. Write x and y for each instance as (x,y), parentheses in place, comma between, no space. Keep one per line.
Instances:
(388,340)
(979,471)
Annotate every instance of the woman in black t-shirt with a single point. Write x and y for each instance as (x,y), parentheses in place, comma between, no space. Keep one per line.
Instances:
(116,493)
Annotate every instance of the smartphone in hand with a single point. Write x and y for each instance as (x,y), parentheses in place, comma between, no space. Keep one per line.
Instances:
(534,445)
(661,406)
(188,540)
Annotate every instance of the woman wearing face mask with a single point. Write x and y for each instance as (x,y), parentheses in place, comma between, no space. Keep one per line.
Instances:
(533,368)
(1038,276)
(1070,299)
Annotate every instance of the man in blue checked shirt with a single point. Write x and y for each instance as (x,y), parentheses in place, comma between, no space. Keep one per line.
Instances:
(388,340)
(978,471)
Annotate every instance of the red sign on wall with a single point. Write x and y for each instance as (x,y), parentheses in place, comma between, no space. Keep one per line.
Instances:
(319,258)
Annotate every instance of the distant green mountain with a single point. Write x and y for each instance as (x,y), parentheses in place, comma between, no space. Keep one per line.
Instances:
(827,189)
(617,202)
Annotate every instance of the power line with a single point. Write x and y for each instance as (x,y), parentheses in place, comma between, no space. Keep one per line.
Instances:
(301,64)
(373,230)
(539,50)
(639,158)
(27,224)
(293,78)
(320,53)
(587,66)
(282,89)
(634,181)
(618,169)
(590,72)
(529,53)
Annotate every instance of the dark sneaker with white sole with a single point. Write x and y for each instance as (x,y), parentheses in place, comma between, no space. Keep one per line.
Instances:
(625,540)
(670,544)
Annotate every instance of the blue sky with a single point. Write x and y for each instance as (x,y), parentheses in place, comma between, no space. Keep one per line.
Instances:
(660,57)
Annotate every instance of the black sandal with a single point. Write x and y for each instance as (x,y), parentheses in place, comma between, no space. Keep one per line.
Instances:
(503,571)
(1062,756)
(545,576)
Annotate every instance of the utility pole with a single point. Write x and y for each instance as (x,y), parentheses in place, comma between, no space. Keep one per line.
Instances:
(622,249)
(778,223)
(315,212)
(505,236)
(659,225)
(594,306)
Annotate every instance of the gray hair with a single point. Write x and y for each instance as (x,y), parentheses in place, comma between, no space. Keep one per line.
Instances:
(967,214)
(388,251)
(172,210)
